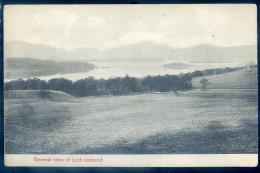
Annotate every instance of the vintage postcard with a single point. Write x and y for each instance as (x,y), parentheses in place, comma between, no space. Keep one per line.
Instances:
(131,85)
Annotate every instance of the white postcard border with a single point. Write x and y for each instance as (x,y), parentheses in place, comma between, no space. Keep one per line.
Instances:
(147,160)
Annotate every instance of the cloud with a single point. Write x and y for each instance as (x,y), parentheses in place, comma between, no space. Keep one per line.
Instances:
(95,21)
(52,28)
(60,28)
(69,27)
(209,26)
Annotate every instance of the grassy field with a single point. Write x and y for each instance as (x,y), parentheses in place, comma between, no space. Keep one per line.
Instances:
(241,79)
(196,121)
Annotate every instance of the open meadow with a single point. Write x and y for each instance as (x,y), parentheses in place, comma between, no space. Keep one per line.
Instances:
(193,122)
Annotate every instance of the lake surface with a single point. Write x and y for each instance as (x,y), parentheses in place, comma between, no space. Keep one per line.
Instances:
(136,69)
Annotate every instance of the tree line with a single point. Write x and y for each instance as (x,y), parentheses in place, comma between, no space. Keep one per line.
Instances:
(115,86)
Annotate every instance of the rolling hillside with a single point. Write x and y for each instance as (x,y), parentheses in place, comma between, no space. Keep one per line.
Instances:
(215,54)
(143,51)
(241,79)
(27,67)
(195,122)
(34,94)
(212,122)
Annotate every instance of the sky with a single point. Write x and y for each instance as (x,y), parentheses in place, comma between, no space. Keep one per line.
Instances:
(108,26)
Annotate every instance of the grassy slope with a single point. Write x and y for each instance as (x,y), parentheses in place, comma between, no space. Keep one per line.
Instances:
(214,122)
(241,79)
(26,94)
(48,122)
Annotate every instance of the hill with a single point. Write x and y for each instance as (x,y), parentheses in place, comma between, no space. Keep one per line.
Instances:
(214,54)
(143,51)
(177,65)
(18,49)
(35,94)
(27,67)
(241,79)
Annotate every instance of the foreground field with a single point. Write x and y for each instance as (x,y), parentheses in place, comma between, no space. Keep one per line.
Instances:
(214,121)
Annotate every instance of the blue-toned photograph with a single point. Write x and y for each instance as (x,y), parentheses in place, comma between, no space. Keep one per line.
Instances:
(130,79)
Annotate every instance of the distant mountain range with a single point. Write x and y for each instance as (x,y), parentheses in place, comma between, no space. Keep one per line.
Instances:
(143,51)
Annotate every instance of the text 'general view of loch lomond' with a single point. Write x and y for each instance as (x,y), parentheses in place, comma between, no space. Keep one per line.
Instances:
(82,80)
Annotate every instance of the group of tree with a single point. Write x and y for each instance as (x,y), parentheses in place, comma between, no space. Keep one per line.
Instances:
(115,86)
(98,87)
(209,72)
